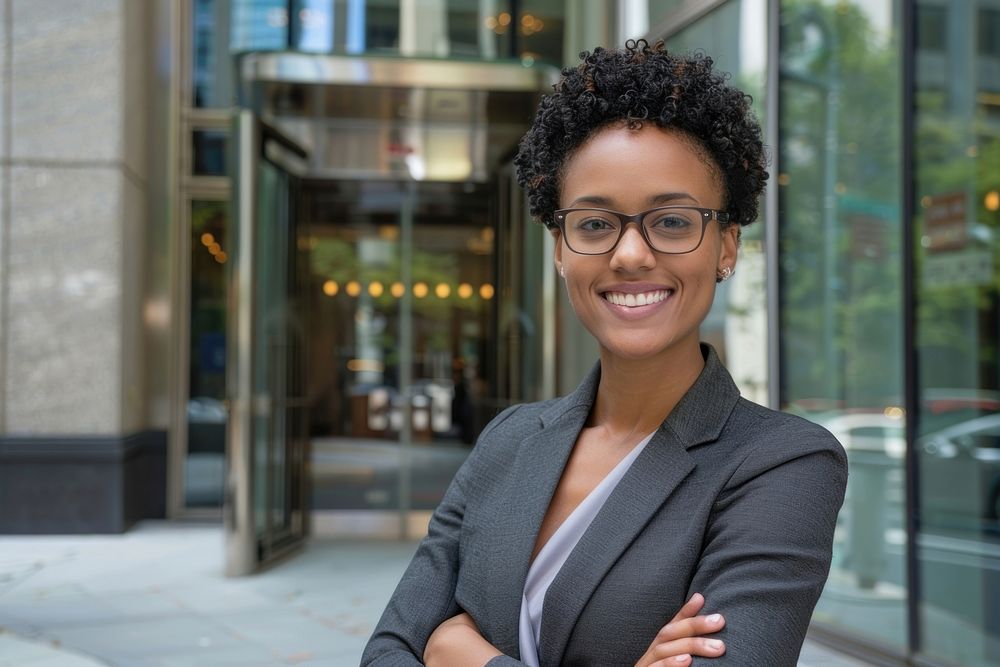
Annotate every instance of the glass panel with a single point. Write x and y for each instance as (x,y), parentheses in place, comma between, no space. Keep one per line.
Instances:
(957,178)
(841,300)
(487,29)
(277,338)
(454,345)
(209,152)
(354,292)
(259,25)
(737,323)
(313,24)
(349,244)
(211,66)
(204,470)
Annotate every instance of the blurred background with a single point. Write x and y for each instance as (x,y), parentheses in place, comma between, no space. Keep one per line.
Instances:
(265,274)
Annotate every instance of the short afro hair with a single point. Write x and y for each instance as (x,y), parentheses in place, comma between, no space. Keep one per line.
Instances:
(635,85)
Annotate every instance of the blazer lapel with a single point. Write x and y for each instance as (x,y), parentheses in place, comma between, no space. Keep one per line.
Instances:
(658,470)
(536,472)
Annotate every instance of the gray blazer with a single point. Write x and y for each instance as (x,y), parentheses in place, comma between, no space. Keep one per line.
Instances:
(728,499)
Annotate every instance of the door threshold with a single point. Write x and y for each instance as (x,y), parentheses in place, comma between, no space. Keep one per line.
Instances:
(369,524)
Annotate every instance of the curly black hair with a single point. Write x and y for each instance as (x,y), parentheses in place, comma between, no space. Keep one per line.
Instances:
(634,85)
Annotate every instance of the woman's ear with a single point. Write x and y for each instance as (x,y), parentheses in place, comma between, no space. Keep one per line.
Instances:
(730,246)
(557,255)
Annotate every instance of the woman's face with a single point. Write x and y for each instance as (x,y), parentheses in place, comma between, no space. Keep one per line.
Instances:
(631,171)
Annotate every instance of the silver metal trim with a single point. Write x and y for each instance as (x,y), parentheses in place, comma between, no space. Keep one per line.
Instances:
(406,356)
(771,198)
(395,72)
(240,529)
(550,295)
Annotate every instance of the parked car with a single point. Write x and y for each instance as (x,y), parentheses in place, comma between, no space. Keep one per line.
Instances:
(960,474)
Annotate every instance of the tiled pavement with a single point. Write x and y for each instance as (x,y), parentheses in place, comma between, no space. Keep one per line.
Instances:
(156,596)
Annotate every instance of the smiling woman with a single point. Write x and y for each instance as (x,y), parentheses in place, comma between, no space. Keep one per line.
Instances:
(652,516)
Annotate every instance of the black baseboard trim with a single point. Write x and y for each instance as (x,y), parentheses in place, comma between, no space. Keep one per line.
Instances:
(81,485)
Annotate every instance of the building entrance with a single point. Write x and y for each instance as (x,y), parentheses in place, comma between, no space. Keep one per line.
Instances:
(387,294)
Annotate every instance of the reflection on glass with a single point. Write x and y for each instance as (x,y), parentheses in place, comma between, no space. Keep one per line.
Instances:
(206,412)
(841,299)
(277,414)
(530,31)
(355,288)
(737,323)
(211,68)
(957,177)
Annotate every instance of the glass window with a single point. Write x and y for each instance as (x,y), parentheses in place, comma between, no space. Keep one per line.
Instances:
(259,25)
(209,152)
(932,27)
(989,32)
(957,186)
(841,286)
(211,68)
(204,470)
(531,31)
(737,324)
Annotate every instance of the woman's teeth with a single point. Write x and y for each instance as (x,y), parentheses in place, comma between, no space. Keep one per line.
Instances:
(633,300)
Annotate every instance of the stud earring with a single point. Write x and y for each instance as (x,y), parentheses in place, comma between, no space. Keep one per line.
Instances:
(562,271)
(725,274)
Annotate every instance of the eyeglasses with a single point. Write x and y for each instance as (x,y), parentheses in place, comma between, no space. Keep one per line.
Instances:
(673,230)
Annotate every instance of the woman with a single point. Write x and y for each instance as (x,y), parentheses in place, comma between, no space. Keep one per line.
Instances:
(592,529)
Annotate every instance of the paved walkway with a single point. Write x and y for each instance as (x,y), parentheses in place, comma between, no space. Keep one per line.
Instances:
(156,596)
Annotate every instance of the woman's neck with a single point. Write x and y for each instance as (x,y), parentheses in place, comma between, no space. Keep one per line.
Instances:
(635,396)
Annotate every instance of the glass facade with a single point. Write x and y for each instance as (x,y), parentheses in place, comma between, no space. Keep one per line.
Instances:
(841,298)
(956,175)
(531,30)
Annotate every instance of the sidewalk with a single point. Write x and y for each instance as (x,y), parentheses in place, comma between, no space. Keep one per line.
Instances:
(156,597)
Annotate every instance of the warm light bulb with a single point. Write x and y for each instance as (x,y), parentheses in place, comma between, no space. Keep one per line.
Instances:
(397,290)
(486,291)
(353,288)
(330,287)
(465,290)
(420,290)
(442,290)
(992,200)
(376,289)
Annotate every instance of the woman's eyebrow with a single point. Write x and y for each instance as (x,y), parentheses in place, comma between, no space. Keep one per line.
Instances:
(656,200)
(667,197)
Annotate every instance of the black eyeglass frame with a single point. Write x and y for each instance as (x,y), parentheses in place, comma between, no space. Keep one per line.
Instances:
(707,215)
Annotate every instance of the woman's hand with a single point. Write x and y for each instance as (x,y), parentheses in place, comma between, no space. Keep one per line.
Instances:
(457,642)
(679,640)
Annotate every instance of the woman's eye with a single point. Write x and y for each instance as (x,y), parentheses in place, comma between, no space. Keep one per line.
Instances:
(671,222)
(595,225)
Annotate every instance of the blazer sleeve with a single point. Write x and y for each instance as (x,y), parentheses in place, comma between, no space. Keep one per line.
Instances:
(425,596)
(768,545)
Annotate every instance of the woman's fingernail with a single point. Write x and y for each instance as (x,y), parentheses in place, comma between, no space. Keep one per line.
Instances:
(681,658)
(714,618)
(714,644)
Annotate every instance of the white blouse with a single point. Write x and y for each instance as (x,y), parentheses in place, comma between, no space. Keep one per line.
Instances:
(550,559)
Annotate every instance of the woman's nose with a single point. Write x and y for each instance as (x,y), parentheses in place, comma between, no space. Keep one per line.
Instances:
(632,251)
